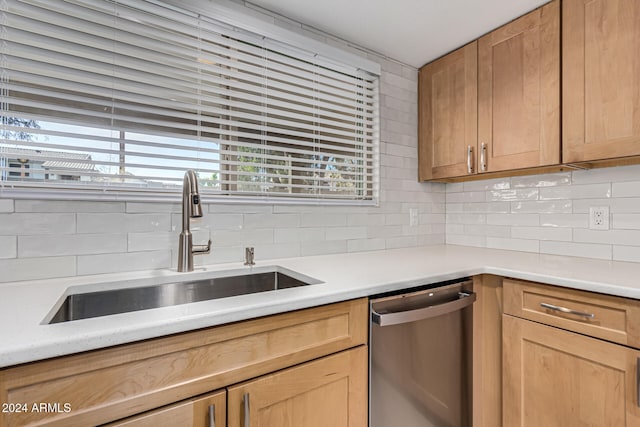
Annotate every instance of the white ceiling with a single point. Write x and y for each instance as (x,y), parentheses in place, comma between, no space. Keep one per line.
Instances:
(411,31)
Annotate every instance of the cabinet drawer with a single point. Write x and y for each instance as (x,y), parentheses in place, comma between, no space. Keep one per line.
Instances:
(611,318)
(204,411)
(106,385)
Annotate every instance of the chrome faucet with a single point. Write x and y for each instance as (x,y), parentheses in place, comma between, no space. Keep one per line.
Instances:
(191,208)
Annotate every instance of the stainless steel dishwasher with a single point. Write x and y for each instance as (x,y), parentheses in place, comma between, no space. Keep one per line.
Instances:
(420,364)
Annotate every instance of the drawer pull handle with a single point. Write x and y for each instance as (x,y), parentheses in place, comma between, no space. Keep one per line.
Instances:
(567,310)
(247,411)
(212,415)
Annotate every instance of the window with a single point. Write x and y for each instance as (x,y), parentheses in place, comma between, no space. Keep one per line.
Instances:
(123,96)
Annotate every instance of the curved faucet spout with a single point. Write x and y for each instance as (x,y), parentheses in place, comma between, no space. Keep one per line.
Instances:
(191,208)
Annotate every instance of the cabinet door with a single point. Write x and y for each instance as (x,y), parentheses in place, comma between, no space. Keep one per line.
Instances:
(601,79)
(519,93)
(206,411)
(331,391)
(448,115)
(553,377)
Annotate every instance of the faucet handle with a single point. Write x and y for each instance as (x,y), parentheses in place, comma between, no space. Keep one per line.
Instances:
(201,249)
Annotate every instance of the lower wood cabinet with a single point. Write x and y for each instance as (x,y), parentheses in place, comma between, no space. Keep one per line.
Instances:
(570,358)
(299,368)
(553,377)
(331,391)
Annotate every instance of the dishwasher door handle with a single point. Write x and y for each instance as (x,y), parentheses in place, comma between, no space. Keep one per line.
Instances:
(465,299)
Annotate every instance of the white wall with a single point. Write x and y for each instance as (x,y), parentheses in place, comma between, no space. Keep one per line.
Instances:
(549,213)
(42,239)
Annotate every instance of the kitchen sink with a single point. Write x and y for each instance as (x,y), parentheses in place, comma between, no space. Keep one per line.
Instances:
(105,302)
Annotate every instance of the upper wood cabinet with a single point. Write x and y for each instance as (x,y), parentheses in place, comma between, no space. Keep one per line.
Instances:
(447,100)
(601,79)
(519,93)
(493,105)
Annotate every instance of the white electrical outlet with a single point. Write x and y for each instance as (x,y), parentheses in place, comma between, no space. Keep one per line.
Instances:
(413,217)
(599,218)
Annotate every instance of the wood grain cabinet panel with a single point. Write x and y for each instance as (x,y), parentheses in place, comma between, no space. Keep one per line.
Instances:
(601,79)
(519,93)
(448,114)
(331,391)
(556,378)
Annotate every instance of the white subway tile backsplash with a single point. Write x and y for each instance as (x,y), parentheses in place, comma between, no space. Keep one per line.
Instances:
(617,174)
(345,233)
(218,221)
(401,242)
(277,250)
(626,221)
(227,238)
(138,207)
(6,205)
(467,196)
(122,223)
(323,248)
(8,247)
(365,219)
(565,220)
(37,268)
(545,180)
(51,206)
(626,189)
(512,195)
(466,240)
(542,233)
(298,234)
(487,230)
(556,223)
(70,244)
(37,223)
(617,237)
(589,191)
(323,220)
(626,253)
(466,218)
(513,219)
(587,250)
(138,242)
(262,220)
(487,184)
(561,206)
(131,261)
(523,245)
(360,245)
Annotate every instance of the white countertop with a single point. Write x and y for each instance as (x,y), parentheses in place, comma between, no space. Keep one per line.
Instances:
(24,305)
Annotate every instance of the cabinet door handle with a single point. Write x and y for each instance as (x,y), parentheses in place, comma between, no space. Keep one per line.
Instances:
(212,415)
(483,157)
(247,421)
(567,310)
(469,159)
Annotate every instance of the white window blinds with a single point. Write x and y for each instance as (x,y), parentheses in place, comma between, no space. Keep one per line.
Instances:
(123,96)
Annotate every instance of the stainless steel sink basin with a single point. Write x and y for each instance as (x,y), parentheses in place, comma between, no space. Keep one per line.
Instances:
(105,302)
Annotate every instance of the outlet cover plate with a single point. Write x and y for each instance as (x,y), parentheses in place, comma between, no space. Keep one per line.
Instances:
(599,218)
